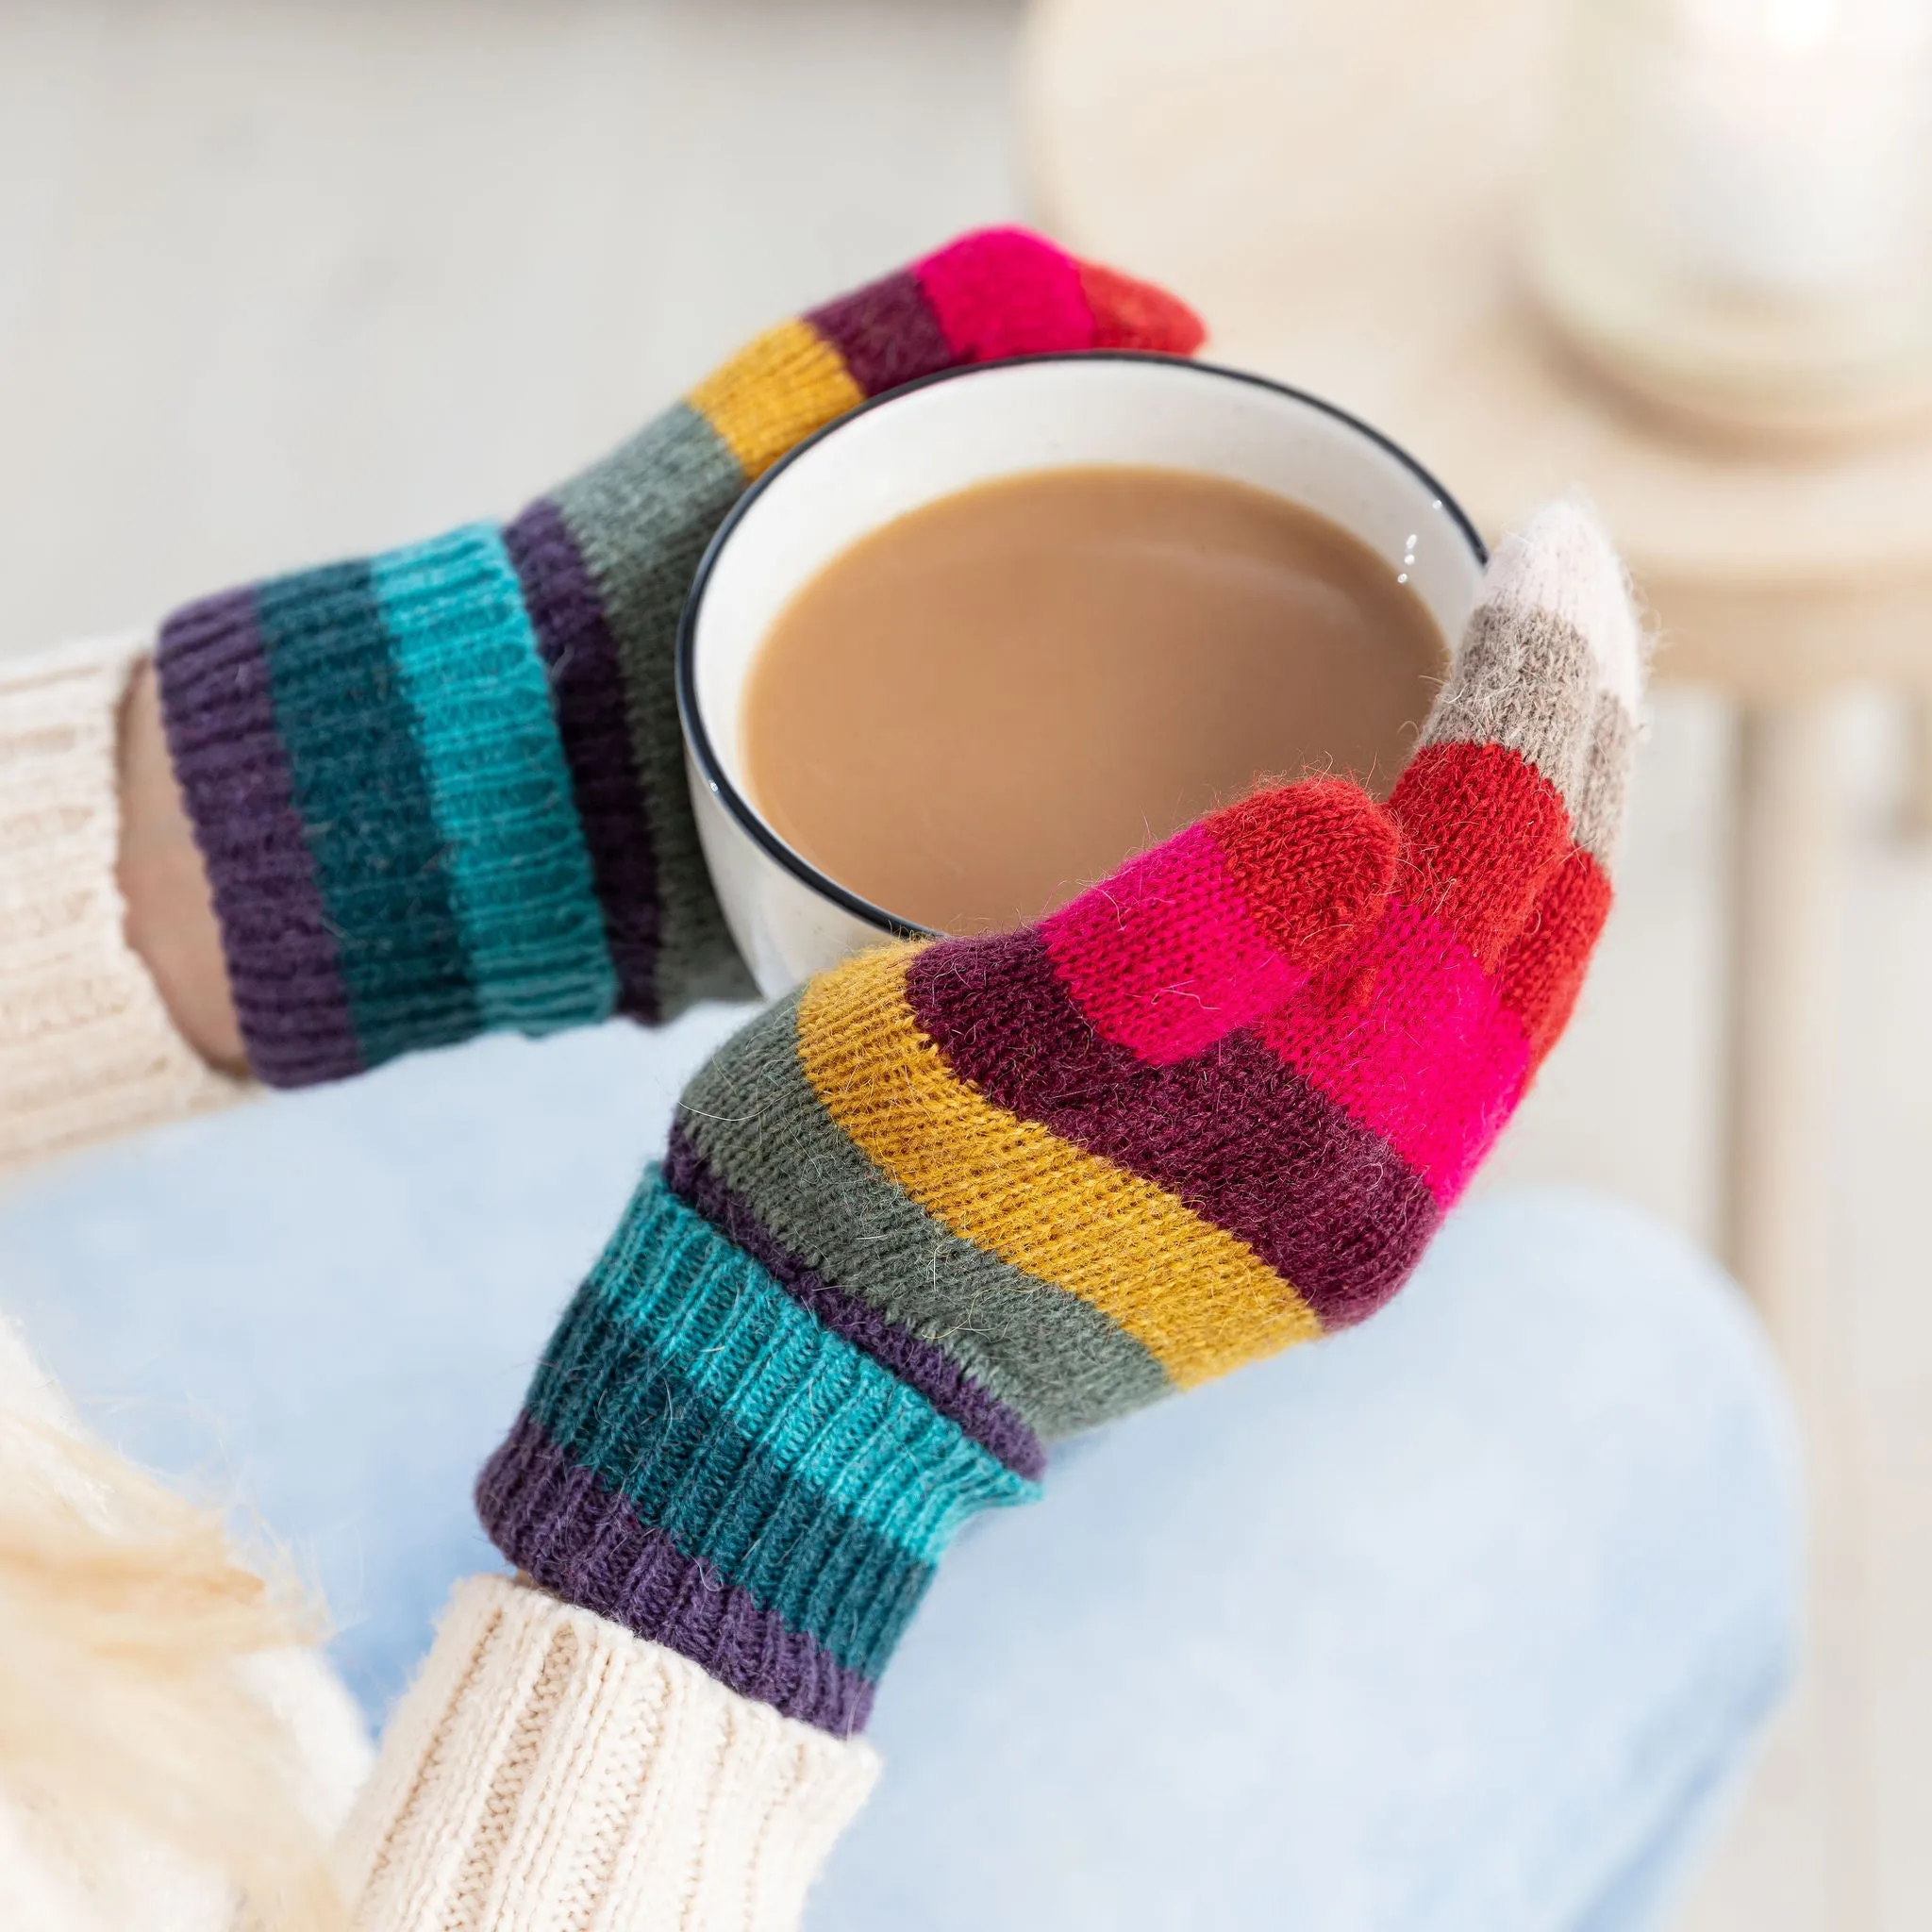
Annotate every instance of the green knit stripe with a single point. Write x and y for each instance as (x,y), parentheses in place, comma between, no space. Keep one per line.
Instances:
(759,1440)
(640,520)
(1061,1362)
(519,873)
(358,783)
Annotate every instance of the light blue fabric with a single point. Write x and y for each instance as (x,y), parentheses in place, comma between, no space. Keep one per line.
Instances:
(1463,1623)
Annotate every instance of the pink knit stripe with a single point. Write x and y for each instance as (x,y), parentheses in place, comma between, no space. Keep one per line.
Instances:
(1408,1035)
(1002,293)
(1163,959)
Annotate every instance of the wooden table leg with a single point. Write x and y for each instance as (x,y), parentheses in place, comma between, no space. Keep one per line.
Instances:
(1781,1002)
(1915,818)
(1785,993)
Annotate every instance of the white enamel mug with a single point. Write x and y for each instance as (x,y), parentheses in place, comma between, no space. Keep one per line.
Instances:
(934,438)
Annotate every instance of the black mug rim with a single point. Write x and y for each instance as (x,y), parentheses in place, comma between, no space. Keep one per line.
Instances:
(691,717)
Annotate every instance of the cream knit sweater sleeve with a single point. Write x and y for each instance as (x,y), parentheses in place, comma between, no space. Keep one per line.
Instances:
(548,1772)
(87,1048)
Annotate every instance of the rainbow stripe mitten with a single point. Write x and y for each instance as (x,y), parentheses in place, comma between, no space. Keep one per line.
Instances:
(441,791)
(952,1201)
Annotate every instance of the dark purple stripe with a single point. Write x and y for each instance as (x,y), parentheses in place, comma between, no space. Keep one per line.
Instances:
(284,966)
(886,332)
(921,1365)
(1239,1134)
(575,1538)
(587,693)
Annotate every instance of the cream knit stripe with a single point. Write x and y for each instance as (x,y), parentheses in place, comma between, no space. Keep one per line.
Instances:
(87,1048)
(1563,563)
(550,1770)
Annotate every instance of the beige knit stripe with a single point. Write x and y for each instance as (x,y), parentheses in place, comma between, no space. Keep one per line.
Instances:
(550,1770)
(1527,679)
(87,1048)
(1598,814)
(1563,562)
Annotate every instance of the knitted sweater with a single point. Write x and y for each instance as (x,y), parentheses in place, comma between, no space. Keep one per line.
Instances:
(548,1769)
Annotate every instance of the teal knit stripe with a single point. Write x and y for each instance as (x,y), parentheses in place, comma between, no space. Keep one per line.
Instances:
(520,876)
(831,1578)
(690,1309)
(363,799)
(758,1439)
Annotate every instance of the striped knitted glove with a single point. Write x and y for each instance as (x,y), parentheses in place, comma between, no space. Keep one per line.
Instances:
(953,1200)
(442,791)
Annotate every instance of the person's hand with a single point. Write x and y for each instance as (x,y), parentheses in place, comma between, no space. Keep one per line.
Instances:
(441,791)
(954,1200)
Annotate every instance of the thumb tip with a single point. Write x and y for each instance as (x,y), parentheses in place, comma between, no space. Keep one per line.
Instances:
(1562,560)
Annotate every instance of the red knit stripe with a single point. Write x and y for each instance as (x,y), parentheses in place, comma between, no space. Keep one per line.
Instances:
(1130,314)
(1483,833)
(1314,861)
(1541,974)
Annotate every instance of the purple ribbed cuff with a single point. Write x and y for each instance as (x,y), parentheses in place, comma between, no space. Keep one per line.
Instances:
(576,1538)
(284,967)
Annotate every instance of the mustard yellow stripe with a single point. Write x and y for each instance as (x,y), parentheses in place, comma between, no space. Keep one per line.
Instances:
(773,392)
(1200,1301)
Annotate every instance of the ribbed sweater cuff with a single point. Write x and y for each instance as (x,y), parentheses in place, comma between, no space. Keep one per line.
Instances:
(381,790)
(87,1048)
(548,1770)
(705,1462)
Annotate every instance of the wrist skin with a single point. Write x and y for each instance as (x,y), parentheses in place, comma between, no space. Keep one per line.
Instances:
(170,915)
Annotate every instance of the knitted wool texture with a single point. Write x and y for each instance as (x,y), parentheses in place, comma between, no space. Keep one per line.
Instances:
(954,1200)
(443,790)
(87,1048)
(548,1771)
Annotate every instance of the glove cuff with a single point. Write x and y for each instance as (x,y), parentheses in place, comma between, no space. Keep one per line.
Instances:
(704,1461)
(379,786)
